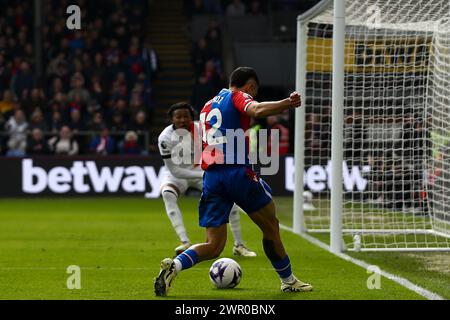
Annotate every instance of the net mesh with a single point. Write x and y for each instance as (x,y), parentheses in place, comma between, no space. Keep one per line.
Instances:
(396,166)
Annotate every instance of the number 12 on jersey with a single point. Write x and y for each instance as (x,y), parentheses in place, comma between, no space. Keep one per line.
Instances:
(212,136)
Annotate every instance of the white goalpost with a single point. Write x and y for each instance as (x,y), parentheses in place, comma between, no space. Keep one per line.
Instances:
(374,77)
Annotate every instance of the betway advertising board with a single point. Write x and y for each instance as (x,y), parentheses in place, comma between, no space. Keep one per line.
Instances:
(84,176)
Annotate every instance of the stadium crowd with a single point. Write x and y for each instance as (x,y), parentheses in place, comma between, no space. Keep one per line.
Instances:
(207,52)
(208,61)
(95,93)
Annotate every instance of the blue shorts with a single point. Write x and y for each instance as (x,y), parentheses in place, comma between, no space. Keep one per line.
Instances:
(224,185)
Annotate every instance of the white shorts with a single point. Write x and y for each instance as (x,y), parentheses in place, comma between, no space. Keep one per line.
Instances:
(181,184)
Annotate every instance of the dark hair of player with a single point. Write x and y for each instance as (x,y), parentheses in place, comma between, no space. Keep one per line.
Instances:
(241,75)
(181,105)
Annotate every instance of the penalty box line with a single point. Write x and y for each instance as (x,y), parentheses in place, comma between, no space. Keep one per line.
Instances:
(402,281)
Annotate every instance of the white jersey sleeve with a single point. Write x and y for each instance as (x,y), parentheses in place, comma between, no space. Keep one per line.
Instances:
(165,143)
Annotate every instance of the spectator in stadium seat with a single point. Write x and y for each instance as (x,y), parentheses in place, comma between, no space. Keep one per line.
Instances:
(134,63)
(86,63)
(3,139)
(16,127)
(78,54)
(197,7)
(121,105)
(235,9)
(117,123)
(102,144)
(286,4)
(200,54)
(77,42)
(77,84)
(75,103)
(64,143)
(37,121)
(139,123)
(136,103)
(119,87)
(140,126)
(36,100)
(325,135)
(6,104)
(255,8)
(144,86)
(36,144)
(135,16)
(202,91)
(131,145)
(412,145)
(99,69)
(313,133)
(273,123)
(97,123)
(58,67)
(23,81)
(56,122)
(213,6)
(115,68)
(151,60)
(5,69)
(397,192)
(121,34)
(76,123)
(254,145)
(212,75)
(376,185)
(214,40)
(98,94)
(58,102)
(92,109)
(353,138)
(77,64)
(28,54)
(2,121)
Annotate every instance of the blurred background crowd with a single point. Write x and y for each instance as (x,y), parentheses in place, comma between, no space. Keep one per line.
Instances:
(97,92)
(97,80)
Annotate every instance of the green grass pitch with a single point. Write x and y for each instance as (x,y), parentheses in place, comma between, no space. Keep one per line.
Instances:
(119,242)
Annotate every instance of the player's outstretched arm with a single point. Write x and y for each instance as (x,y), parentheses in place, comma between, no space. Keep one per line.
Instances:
(268,108)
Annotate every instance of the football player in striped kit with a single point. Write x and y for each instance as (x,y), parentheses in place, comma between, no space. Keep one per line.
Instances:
(178,176)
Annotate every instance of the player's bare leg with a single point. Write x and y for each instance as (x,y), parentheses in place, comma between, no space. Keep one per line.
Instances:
(267,221)
(216,238)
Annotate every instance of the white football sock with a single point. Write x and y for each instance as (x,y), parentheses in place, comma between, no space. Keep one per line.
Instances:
(235,225)
(178,265)
(289,280)
(174,214)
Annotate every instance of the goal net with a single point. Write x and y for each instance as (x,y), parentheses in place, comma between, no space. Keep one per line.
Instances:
(396,170)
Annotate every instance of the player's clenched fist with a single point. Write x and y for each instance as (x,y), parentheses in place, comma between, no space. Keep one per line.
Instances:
(295,99)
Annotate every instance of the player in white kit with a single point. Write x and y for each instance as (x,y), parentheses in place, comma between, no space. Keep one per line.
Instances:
(178,176)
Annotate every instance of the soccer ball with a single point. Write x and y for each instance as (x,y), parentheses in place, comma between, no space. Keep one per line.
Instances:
(225,273)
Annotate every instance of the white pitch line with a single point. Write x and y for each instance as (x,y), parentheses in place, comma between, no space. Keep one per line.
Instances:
(199,269)
(402,281)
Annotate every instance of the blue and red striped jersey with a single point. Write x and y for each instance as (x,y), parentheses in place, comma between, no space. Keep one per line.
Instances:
(223,118)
